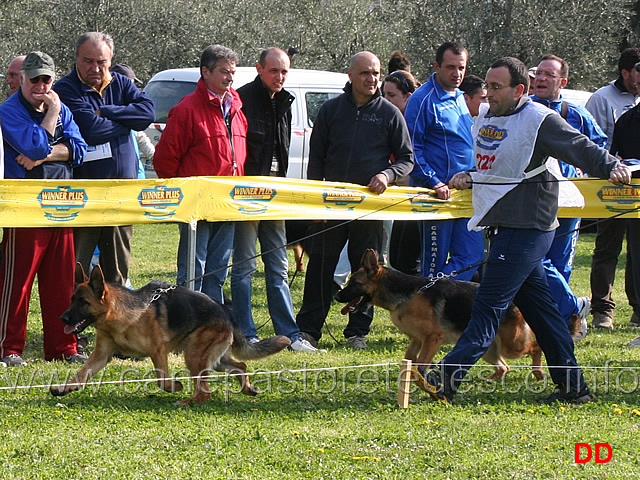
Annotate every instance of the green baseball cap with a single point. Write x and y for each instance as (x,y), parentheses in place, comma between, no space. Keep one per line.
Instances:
(38,63)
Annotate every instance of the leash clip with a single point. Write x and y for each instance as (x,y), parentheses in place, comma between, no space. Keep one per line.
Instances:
(439,276)
(159,292)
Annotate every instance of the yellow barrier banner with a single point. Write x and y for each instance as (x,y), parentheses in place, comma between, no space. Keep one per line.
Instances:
(78,203)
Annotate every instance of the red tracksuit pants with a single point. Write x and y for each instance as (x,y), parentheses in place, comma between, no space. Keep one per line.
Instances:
(49,253)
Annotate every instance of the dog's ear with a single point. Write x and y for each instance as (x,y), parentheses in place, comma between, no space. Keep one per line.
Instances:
(370,262)
(80,276)
(97,281)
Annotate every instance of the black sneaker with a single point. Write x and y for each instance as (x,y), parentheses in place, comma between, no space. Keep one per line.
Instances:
(561,394)
(76,358)
(431,383)
(82,342)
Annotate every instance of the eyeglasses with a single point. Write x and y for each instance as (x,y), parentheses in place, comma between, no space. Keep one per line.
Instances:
(546,74)
(637,67)
(46,79)
(494,87)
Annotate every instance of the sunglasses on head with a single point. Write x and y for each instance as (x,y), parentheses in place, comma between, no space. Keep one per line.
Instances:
(637,67)
(46,79)
(403,81)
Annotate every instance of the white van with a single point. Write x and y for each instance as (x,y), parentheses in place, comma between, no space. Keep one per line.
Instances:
(310,87)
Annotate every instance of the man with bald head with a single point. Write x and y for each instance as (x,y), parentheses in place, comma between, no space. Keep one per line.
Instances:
(354,137)
(13,74)
(267,107)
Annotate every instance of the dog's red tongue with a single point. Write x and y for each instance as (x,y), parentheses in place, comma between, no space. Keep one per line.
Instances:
(351,306)
(70,328)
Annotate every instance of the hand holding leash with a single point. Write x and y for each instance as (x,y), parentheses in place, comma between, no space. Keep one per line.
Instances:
(620,175)
(460,181)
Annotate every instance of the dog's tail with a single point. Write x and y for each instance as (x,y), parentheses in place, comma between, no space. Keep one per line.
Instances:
(243,349)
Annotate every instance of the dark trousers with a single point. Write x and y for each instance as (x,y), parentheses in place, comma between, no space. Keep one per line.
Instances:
(514,271)
(324,252)
(632,271)
(609,237)
(115,250)
(404,247)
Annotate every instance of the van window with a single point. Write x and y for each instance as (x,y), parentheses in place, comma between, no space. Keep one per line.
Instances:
(166,95)
(314,101)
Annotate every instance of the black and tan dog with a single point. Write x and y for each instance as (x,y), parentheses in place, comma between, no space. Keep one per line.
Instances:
(157,319)
(436,315)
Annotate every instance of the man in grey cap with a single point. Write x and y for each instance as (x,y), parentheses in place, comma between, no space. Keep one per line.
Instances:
(41,141)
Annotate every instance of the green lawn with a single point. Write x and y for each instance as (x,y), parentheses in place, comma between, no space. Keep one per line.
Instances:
(324,422)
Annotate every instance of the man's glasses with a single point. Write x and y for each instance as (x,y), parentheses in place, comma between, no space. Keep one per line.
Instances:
(637,67)
(46,79)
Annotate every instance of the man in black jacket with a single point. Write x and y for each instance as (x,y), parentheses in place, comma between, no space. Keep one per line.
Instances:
(626,144)
(267,107)
(354,137)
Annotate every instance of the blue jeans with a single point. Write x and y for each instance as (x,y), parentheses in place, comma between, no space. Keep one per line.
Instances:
(514,272)
(214,243)
(456,248)
(272,236)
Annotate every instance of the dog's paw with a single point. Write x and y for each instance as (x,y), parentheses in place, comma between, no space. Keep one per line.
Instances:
(172,387)
(539,374)
(250,390)
(58,391)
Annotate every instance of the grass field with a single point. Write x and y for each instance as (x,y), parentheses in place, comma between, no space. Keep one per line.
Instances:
(336,419)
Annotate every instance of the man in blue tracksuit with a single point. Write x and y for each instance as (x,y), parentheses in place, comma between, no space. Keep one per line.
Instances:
(440,126)
(551,77)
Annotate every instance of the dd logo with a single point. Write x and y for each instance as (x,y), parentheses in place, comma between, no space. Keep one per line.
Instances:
(593,453)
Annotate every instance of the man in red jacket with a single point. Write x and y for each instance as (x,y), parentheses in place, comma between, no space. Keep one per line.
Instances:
(206,135)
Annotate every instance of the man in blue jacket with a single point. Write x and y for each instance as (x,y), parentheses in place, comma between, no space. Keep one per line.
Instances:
(440,126)
(106,107)
(41,140)
(551,77)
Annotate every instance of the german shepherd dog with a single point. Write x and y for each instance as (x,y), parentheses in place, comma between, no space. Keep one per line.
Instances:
(436,315)
(157,319)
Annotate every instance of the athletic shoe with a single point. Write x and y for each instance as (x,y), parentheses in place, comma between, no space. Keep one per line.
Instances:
(357,342)
(584,306)
(431,383)
(634,343)
(76,358)
(13,360)
(302,345)
(309,338)
(635,320)
(253,339)
(560,394)
(602,320)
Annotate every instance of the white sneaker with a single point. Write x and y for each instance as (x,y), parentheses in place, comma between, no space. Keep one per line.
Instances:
(584,307)
(302,345)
